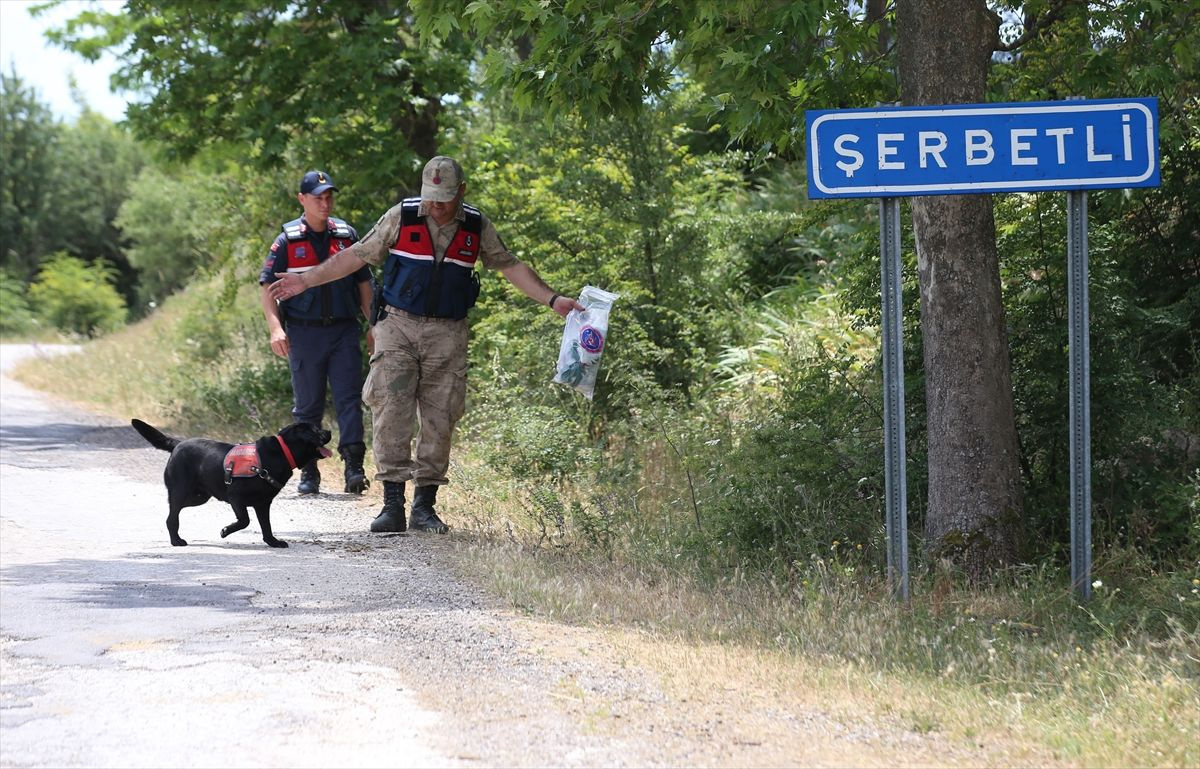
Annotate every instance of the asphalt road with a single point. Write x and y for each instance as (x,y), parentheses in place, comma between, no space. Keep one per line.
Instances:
(121,650)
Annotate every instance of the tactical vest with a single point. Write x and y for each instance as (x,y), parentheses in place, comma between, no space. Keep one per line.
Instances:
(302,257)
(415,282)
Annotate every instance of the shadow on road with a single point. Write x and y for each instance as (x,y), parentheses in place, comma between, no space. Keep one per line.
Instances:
(56,435)
(222,576)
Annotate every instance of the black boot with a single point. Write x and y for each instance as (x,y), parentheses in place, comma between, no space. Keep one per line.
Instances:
(424,517)
(310,479)
(356,477)
(391,517)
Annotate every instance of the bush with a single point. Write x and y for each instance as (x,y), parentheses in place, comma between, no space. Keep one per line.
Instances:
(77,297)
(16,317)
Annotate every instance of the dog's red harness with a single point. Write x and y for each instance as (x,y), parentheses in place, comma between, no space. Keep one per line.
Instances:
(242,462)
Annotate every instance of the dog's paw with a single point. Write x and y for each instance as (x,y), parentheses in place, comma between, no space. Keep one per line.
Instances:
(179,542)
(226,531)
(276,542)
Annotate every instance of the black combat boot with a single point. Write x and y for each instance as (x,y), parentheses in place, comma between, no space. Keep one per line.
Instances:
(310,479)
(424,517)
(391,517)
(356,477)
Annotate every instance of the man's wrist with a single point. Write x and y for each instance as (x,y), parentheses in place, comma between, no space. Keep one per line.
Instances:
(553,298)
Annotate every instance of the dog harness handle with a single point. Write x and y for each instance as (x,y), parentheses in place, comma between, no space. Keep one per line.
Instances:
(286,451)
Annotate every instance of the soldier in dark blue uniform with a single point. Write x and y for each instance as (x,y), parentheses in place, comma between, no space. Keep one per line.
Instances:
(318,331)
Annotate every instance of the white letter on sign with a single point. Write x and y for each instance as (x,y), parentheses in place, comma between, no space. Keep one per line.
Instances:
(856,157)
(979,141)
(886,150)
(1018,146)
(932,143)
(1091,141)
(1058,134)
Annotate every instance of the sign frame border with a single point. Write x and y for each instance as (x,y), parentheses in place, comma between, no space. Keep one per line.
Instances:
(908,190)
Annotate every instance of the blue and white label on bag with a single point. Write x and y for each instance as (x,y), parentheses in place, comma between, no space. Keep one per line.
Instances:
(591,340)
(983,148)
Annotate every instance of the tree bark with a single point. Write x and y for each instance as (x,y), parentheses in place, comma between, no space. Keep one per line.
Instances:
(975,495)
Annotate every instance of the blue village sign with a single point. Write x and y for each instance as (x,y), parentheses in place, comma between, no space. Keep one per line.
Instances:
(894,152)
(979,148)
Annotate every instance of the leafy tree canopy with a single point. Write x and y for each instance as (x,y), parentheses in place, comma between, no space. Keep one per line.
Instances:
(758,60)
(61,185)
(337,84)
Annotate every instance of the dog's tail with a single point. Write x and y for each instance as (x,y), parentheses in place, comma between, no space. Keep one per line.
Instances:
(157,439)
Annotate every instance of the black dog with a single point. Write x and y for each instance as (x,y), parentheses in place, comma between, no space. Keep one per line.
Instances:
(200,469)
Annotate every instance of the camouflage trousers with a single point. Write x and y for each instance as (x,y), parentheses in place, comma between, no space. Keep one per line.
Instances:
(417,387)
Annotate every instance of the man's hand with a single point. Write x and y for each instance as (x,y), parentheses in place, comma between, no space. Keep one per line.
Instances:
(279,343)
(564,304)
(289,284)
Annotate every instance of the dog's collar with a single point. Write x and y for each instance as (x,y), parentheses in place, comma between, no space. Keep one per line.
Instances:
(286,451)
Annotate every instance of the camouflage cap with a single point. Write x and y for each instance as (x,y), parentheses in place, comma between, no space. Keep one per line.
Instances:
(441,179)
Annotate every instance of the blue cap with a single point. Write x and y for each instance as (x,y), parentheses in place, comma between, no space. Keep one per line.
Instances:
(316,182)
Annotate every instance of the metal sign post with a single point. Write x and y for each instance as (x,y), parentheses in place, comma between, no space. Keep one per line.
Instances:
(1080,398)
(893,397)
(891,152)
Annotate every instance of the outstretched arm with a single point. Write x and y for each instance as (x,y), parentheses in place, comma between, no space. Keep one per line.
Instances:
(531,285)
(292,283)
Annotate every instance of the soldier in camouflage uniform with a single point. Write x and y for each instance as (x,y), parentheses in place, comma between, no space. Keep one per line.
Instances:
(429,247)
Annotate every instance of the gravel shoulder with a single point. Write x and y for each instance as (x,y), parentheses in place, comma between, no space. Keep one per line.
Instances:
(346,649)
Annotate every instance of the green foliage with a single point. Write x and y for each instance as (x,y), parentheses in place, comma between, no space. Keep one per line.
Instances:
(628,209)
(806,468)
(98,162)
(336,84)
(77,297)
(168,240)
(761,63)
(61,186)
(221,367)
(29,136)
(255,397)
(532,442)
(16,316)
(1143,433)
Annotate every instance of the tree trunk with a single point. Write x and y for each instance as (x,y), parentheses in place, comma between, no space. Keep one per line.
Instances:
(974,514)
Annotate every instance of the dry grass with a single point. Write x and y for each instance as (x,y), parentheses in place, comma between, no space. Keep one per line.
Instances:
(1003,697)
(116,376)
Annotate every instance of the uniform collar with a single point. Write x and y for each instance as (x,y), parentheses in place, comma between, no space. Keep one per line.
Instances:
(460,215)
(329,225)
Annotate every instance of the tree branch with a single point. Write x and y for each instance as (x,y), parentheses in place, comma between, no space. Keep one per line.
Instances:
(1035,25)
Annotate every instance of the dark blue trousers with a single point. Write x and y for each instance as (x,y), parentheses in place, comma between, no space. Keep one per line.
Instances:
(320,354)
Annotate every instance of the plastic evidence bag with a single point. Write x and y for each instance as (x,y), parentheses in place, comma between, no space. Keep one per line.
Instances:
(583,341)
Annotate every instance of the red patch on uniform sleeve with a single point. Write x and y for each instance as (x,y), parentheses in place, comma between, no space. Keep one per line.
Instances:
(274,246)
